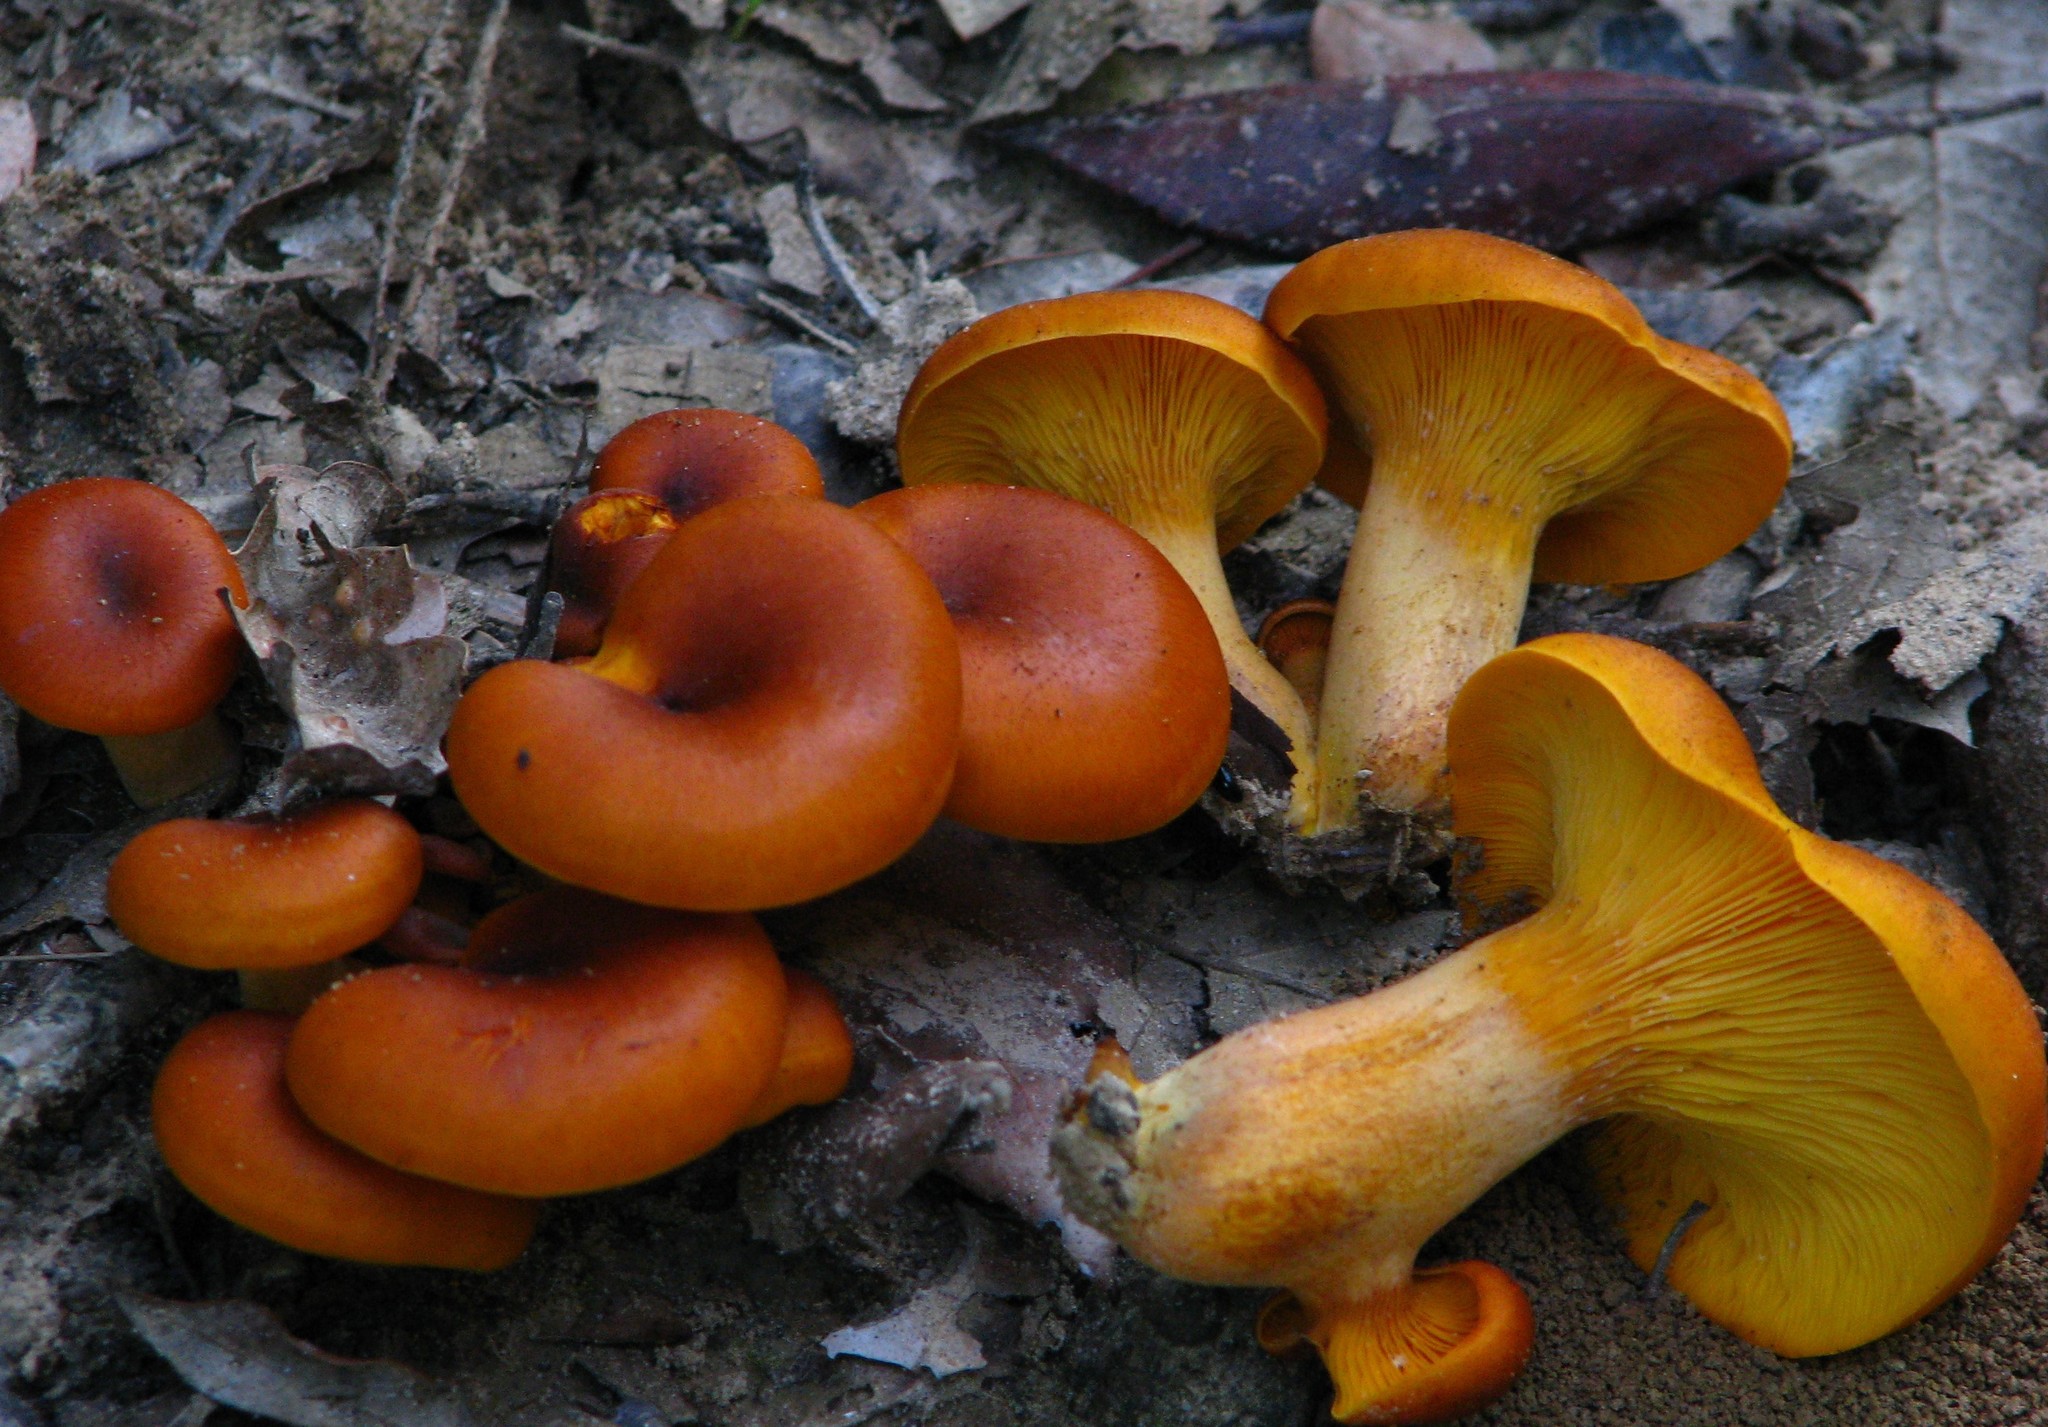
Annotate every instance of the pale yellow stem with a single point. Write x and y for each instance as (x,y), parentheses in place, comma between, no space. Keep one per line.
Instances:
(1435,587)
(157,767)
(1192,551)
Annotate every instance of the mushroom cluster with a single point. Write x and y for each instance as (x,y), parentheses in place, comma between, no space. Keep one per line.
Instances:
(761,698)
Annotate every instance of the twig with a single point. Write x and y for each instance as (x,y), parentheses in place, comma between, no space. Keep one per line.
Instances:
(620,49)
(1179,252)
(835,257)
(426,96)
(469,135)
(45,954)
(136,152)
(786,312)
(1655,1284)
(239,200)
(273,279)
(257,82)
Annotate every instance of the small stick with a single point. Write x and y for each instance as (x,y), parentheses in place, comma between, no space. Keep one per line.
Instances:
(257,82)
(785,312)
(239,200)
(273,279)
(469,135)
(620,49)
(1655,1284)
(426,96)
(1177,253)
(828,246)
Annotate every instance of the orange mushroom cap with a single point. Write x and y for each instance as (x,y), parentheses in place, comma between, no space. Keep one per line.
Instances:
(1094,701)
(111,621)
(817,1052)
(586,1043)
(774,714)
(234,1137)
(694,458)
(262,893)
(1177,414)
(596,548)
(1296,638)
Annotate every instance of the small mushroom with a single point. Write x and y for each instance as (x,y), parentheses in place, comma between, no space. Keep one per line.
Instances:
(1094,702)
(1522,420)
(584,1043)
(773,715)
(1295,638)
(596,548)
(693,458)
(112,622)
(232,1135)
(1823,1051)
(1177,414)
(817,1052)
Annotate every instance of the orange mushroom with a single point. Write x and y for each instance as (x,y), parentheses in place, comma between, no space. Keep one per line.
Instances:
(112,623)
(773,715)
(817,1052)
(1508,415)
(585,1043)
(1296,639)
(1822,1050)
(695,458)
(232,1136)
(596,548)
(1094,701)
(1177,414)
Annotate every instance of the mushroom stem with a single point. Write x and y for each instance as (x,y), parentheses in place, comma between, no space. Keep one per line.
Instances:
(1435,587)
(290,989)
(1192,551)
(158,767)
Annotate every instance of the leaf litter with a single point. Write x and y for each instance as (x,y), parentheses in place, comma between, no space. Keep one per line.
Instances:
(629,236)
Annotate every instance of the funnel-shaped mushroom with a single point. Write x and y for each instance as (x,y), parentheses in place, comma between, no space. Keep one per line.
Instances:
(1177,414)
(694,458)
(773,715)
(1521,416)
(596,548)
(112,623)
(1094,704)
(1821,1049)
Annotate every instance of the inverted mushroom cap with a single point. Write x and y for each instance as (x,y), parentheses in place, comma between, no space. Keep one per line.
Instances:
(587,1043)
(259,893)
(233,1136)
(596,548)
(1521,420)
(1840,1063)
(773,715)
(694,458)
(817,1052)
(1816,1046)
(111,620)
(1296,639)
(1177,414)
(1646,457)
(1094,702)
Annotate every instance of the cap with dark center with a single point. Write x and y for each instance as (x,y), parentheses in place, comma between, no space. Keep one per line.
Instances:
(596,548)
(697,457)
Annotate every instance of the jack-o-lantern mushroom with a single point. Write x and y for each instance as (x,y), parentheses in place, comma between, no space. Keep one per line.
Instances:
(1523,421)
(112,622)
(1821,1049)
(1177,414)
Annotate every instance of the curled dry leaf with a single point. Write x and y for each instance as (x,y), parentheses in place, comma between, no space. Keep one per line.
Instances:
(239,1355)
(1360,39)
(351,639)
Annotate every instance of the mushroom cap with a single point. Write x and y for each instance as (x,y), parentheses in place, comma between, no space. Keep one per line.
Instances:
(1094,701)
(234,1137)
(1816,1045)
(1439,1347)
(1296,638)
(773,715)
(817,1052)
(261,893)
(111,621)
(1158,407)
(694,458)
(586,1043)
(596,548)
(1647,457)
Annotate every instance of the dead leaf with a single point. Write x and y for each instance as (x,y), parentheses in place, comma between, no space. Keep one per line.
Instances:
(977,17)
(1360,39)
(635,380)
(1823,393)
(17,145)
(1063,41)
(841,36)
(115,131)
(79,890)
(239,1355)
(351,639)
(864,405)
(920,1334)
